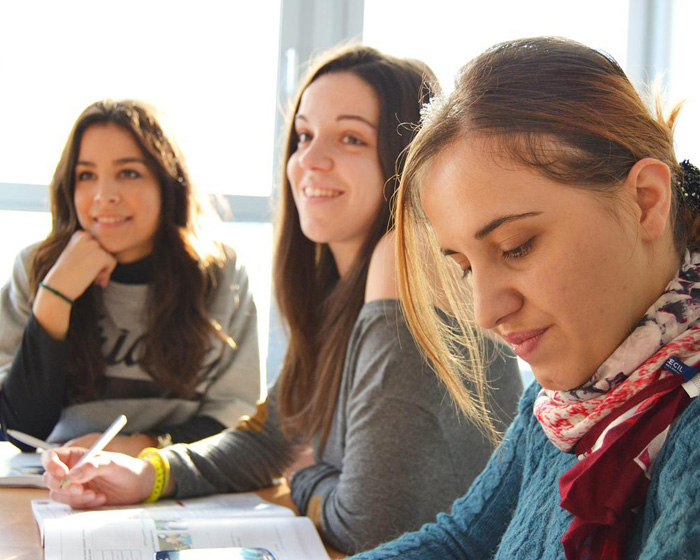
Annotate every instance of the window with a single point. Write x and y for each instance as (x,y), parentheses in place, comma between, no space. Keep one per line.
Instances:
(195,65)
(447,34)
(209,67)
(683,79)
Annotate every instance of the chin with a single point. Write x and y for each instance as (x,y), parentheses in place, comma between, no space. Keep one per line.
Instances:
(314,235)
(547,381)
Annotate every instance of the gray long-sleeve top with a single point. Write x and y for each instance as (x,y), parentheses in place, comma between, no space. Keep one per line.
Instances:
(35,393)
(397,453)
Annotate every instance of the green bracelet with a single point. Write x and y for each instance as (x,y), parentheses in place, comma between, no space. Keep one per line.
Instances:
(54,291)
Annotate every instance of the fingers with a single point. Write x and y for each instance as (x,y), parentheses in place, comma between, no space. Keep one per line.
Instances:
(79,497)
(83,262)
(57,466)
(103,277)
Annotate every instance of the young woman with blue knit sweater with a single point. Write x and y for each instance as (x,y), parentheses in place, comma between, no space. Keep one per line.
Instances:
(555,197)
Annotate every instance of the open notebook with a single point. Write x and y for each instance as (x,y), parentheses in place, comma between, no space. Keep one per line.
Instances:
(19,469)
(137,532)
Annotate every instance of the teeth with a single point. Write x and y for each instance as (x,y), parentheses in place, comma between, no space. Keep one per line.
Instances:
(109,220)
(312,192)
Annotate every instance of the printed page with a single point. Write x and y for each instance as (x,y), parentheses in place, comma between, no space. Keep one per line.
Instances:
(101,538)
(19,469)
(243,504)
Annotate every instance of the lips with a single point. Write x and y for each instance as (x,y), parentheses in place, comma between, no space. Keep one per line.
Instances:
(110,221)
(320,192)
(524,343)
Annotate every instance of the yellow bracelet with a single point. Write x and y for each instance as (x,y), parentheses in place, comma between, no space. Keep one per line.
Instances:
(161,465)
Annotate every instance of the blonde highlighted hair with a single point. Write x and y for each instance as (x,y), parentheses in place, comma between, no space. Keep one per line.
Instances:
(564,110)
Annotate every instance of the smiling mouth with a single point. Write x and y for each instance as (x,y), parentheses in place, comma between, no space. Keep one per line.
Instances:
(316,192)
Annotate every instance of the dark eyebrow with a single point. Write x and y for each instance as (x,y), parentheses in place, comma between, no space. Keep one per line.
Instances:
(130,160)
(498,222)
(488,228)
(117,161)
(342,117)
(357,118)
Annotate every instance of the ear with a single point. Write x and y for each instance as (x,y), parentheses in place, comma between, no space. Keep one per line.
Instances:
(649,184)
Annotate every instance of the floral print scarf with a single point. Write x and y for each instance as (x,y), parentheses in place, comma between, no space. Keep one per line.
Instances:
(665,330)
(617,423)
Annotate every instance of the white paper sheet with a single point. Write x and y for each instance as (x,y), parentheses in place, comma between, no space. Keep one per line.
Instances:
(105,536)
(243,504)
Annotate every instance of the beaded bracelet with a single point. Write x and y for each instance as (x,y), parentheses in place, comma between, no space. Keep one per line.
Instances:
(55,292)
(161,465)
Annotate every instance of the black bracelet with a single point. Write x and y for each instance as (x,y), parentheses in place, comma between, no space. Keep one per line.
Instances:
(54,291)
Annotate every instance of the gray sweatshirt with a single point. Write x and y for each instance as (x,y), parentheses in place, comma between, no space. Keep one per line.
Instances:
(397,454)
(34,389)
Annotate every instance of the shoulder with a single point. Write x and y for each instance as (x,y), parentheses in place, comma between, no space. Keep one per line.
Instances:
(22,267)
(25,258)
(230,291)
(381,276)
(383,357)
(15,295)
(228,270)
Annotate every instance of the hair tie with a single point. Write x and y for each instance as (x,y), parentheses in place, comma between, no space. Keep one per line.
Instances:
(690,185)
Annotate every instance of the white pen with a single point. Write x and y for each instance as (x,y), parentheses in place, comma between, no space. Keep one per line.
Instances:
(114,428)
(29,440)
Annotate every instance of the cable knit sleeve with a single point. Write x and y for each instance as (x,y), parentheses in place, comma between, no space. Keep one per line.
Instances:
(478,520)
(668,526)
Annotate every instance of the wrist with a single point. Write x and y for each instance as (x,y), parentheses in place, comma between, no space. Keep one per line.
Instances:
(52,314)
(159,474)
(57,293)
(148,477)
(59,282)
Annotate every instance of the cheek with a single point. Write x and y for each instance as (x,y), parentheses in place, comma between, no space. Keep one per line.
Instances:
(374,192)
(81,203)
(155,203)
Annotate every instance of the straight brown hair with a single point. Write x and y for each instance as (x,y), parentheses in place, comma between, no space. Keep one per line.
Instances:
(178,331)
(318,307)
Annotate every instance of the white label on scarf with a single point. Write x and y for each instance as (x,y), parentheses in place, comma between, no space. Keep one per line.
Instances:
(692,387)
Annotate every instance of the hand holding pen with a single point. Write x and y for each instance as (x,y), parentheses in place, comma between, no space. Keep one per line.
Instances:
(96,479)
(114,428)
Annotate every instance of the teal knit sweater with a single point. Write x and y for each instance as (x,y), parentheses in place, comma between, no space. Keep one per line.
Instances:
(512,509)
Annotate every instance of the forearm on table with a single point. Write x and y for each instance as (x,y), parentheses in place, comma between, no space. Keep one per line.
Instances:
(34,390)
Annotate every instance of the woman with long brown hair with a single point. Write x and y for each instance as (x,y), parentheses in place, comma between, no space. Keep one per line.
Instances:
(125,308)
(389,449)
(563,223)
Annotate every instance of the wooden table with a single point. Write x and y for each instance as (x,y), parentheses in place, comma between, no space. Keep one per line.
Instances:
(19,534)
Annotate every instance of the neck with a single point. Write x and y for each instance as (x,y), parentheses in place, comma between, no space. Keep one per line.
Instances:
(345,254)
(137,272)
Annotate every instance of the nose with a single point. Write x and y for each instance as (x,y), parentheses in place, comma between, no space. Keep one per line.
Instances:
(495,297)
(316,155)
(107,192)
